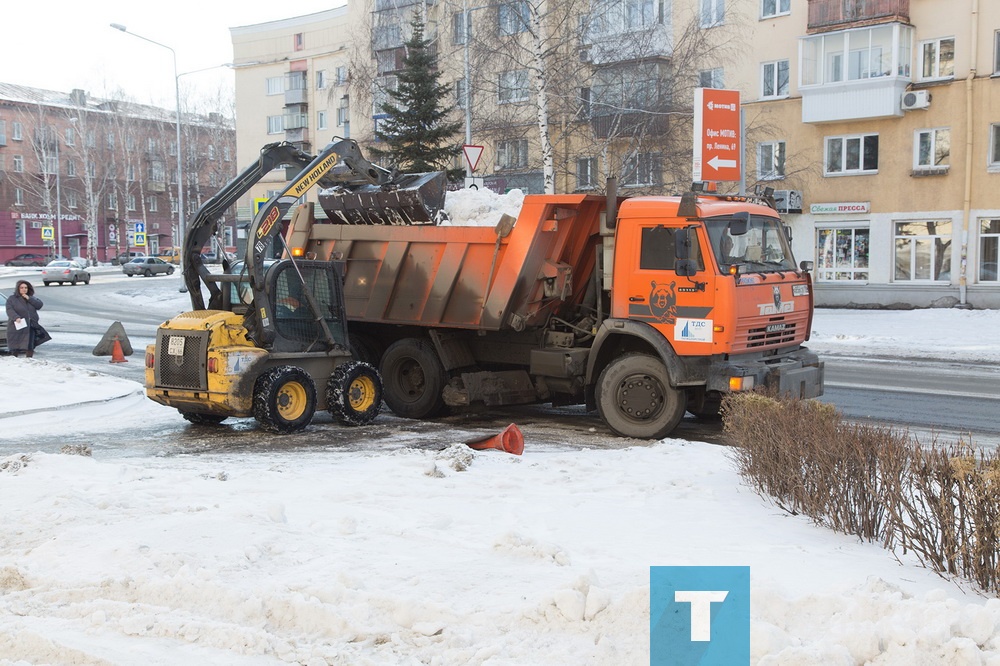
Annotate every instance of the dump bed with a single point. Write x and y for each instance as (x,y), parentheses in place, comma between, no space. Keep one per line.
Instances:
(466,277)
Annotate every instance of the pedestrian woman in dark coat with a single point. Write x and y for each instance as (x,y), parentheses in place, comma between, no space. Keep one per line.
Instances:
(24,333)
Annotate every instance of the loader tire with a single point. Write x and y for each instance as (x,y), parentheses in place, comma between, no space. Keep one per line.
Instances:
(413,378)
(284,399)
(203,419)
(354,393)
(635,399)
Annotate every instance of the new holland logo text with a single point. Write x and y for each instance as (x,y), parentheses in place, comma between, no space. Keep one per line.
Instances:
(307,181)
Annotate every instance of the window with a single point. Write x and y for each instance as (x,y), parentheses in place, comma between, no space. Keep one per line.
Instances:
(152,203)
(18,196)
(712,12)
(512,17)
(321,79)
(842,253)
(774,79)
(922,250)
(937,59)
(91,169)
(112,200)
(130,142)
(711,78)
(586,173)
(512,154)
(341,75)
(298,41)
(460,89)
(130,172)
(109,140)
(71,199)
(18,163)
(157,173)
(855,55)
(275,85)
(275,124)
(771,160)
(91,140)
(173,204)
(51,165)
(226,154)
(129,202)
(461,27)
(321,120)
(996,53)
(70,168)
(513,86)
(641,169)
(989,250)
(932,148)
(151,145)
(851,154)
(16,131)
(769,8)
(344,111)
(70,136)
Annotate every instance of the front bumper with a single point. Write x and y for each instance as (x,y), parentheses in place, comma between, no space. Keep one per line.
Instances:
(798,374)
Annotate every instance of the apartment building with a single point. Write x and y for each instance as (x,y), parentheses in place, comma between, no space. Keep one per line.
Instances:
(80,175)
(873,120)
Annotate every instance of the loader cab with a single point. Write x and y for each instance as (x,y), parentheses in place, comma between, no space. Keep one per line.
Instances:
(296,327)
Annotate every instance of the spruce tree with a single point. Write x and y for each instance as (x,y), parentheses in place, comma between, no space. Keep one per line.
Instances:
(415,136)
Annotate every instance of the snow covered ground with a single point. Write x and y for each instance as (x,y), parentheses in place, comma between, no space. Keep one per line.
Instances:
(436,554)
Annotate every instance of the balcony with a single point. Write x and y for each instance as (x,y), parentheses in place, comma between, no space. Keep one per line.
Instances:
(296,96)
(825,15)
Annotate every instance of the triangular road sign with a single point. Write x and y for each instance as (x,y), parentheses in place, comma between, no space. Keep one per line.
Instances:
(472,155)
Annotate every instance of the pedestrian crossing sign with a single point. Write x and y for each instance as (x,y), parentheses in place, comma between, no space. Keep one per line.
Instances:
(48,234)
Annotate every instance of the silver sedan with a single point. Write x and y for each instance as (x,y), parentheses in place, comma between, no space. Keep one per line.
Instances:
(62,271)
(147,266)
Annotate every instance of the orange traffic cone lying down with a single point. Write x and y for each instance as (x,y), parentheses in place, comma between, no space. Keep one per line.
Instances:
(117,355)
(510,440)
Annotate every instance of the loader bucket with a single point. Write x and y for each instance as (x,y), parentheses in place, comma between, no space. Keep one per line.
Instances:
(415,198)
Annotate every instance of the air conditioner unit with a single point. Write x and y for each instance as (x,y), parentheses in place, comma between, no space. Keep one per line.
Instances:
(915,99)
(788,201)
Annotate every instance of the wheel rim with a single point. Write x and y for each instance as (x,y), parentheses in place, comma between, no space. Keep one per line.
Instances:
(640,397)
(291,401)
(361,394)
(410,379)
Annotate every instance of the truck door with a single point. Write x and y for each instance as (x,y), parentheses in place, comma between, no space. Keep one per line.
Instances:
(679,306)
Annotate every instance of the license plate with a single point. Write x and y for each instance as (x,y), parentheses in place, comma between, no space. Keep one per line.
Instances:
(774,328)
(175,346)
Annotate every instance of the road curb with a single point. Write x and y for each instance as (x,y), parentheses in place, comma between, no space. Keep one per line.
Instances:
(72,405)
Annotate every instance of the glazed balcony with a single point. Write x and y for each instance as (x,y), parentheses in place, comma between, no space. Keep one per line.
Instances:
(826,15)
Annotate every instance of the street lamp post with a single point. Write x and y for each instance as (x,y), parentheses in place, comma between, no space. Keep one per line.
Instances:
(180,152)
(58,202)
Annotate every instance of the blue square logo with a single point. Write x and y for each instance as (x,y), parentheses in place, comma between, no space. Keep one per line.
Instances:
(699,615)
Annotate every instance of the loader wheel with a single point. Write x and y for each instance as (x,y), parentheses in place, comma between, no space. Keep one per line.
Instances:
(414,378)
(635,399)
(203,419)
(284,399)
(354,393)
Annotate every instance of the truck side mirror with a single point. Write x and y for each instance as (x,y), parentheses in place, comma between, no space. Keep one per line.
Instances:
(686,267)
(806,266)
(788,232)
(739,224)
(682,244)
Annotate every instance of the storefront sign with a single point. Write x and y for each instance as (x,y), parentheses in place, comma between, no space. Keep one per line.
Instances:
(840,208)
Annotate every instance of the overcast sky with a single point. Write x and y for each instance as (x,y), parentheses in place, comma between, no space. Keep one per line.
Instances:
(66,45)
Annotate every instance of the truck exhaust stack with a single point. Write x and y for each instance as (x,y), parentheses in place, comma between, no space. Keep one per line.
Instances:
(410,199)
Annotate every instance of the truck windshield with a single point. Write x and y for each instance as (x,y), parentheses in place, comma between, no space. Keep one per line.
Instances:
(763,248)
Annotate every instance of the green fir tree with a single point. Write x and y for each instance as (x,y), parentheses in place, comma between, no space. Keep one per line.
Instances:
(416,136)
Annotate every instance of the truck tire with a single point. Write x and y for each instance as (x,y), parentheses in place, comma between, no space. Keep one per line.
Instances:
(363,348)
(284,399)
(354,393)
(202,419)
(413,378)
(635,399)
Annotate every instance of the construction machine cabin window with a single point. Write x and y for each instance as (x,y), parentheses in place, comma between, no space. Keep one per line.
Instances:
(293,318)
(762,248)
(657,249)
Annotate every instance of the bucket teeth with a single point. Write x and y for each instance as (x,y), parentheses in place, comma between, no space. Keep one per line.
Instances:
(411,199)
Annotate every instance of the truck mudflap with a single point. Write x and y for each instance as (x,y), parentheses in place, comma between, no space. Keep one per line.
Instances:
(798,374)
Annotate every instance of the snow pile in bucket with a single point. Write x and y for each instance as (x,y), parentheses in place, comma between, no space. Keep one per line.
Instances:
(480,208)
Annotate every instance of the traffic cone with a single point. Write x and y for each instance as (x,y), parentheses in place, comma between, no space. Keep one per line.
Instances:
(510,440)
(117,355)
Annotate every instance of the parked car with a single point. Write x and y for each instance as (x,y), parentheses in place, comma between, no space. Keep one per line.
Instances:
(147,266)
(3,322)
(62,271)
(126,257)
(170,254)
(27,259)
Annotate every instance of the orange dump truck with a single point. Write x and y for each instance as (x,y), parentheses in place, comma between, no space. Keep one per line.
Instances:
(656,309)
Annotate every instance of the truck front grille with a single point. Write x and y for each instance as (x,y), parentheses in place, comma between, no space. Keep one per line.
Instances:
(184,371)
(770,331)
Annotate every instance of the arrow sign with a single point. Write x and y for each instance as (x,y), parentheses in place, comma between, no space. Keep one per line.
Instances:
(717,129)
(472,155)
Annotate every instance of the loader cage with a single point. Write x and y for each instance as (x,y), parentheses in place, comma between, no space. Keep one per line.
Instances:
(297,327)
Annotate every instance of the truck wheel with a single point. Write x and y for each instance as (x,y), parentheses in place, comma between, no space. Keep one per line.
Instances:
(354,393)
(202,419)
(414,378)
(363,348)
(284,399)
(635,398)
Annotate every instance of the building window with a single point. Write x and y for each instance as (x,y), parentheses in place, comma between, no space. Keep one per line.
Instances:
(18,163)
(91,169)
(16,131)
(842,253)
(996,52)
(774,79)
(275,85)
(460,89)
(513,86)
(18,196)
(344,111)
(711,78)
(341,75)
(851,154)
(70,136)
(173,204)
(321,79)
(932,148)
(937,59)
(211,151)
(157,173)
(151,145)
(109,140)
(512,154)
(112,200)
(71,199)
(298,41)
(152,203)
(129,202)
(51,165)
(771,160)
(461,27)
(641,169)
(70,168)
(769,8)
(226,154)
(712,12)
(922,250)
(855,55)
(512,17)
(989,250)
(586,173)
(275,124)
(3,132)
(321,120)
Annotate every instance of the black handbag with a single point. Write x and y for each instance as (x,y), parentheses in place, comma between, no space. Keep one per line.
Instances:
(39,334)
